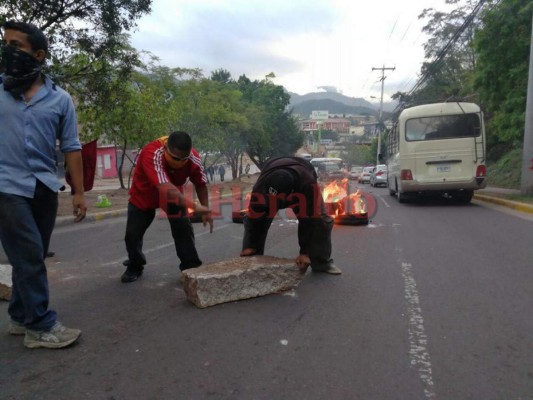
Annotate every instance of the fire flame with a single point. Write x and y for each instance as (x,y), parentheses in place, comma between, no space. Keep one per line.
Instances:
(338,202)
(334,192)
(358,205)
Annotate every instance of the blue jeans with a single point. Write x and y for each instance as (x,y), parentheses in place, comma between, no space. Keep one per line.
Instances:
(26,226)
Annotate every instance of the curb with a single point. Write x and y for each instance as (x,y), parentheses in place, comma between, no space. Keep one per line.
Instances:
(515,205)
(64,221)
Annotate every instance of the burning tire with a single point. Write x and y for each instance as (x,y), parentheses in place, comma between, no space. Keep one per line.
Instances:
(349,210)
(351,219)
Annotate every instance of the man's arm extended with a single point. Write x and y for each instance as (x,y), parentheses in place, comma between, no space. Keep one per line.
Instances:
(203,197)
(75,167)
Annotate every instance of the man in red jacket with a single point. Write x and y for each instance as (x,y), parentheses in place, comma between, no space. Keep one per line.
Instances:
(162,168)
(290,182)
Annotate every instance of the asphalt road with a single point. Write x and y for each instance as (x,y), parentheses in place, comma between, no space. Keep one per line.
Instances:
(434,302)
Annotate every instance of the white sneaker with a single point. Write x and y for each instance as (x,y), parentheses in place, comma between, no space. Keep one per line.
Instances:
(16,328)
(57,337)
(331,269)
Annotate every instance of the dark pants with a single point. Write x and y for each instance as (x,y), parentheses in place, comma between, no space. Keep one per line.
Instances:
(182,232)
(314,234)
(26,226)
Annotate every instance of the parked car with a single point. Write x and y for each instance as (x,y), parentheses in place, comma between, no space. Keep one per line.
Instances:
(365,175)
(378,176)
(354,173)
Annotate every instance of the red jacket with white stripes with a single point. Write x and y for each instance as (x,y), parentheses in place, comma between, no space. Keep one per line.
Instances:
(152,169)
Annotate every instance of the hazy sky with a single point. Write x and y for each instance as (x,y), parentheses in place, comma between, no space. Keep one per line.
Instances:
(306,43)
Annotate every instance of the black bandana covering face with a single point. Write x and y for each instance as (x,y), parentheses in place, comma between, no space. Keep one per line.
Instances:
(21,69)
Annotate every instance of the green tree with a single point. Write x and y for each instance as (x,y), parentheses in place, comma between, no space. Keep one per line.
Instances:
(358,154)
(275,130)
(88,30)
(502,46)
(451,59)
(138,111)
(221,75)
(213,113)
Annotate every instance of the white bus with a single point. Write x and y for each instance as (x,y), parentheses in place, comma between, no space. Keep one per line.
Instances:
(319,160)
(437,149)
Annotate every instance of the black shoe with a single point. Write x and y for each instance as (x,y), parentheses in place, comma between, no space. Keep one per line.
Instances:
(127,263)
(131,275)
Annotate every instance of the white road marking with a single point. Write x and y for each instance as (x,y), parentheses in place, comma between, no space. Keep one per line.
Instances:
(418,340)
(384,202)
(284,342)
(165,245)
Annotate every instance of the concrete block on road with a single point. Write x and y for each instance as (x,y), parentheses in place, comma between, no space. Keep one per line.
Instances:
(239,278)
(5,282)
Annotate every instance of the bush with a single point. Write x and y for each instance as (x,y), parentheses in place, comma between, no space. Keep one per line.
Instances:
(506,171)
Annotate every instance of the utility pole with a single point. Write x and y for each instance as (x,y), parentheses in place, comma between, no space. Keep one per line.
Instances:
(526,181)
(382,69)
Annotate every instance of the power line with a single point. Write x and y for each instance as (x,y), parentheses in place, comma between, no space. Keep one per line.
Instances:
(432,68)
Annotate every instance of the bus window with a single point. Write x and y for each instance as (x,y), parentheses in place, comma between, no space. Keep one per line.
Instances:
(442,127)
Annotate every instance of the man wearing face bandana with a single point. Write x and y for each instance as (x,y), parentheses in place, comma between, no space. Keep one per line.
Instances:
(34,113)
(162,168)
(290,182)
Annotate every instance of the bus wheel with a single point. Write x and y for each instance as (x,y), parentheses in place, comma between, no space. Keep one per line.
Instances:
(399,195)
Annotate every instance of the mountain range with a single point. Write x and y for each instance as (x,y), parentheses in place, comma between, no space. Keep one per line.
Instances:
(334,103)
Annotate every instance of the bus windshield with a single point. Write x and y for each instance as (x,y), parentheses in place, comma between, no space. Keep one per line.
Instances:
(442,127)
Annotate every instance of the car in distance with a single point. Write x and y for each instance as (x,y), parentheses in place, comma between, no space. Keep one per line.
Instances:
(378,176)
(365,175)
(354,173)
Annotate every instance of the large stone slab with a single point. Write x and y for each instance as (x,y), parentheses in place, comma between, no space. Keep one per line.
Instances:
(5,282)
(239,278)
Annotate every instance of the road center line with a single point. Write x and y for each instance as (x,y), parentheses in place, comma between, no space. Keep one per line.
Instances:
(165,245)
(418,340)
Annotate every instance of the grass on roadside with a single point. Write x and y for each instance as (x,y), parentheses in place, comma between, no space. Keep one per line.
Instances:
(505,173)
